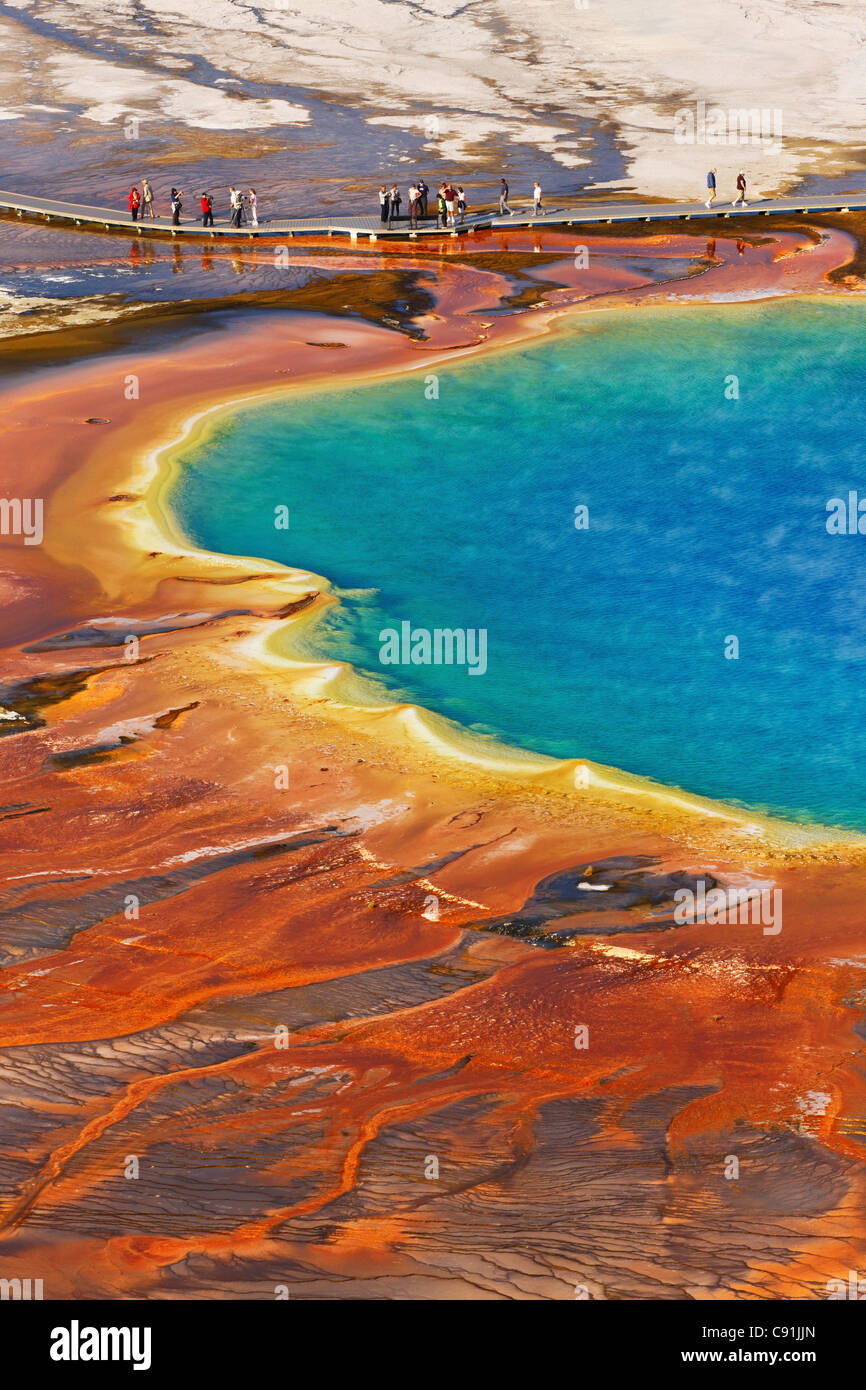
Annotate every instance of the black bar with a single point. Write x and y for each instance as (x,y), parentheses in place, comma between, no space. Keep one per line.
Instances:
(255,1335)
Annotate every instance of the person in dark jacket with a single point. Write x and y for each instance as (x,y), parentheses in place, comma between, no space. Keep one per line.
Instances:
(176,205)
(741,190)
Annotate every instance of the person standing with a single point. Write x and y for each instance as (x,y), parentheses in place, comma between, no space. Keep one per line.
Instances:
(741,191)
(235,207)
(413,196)
(384,204)
(442,206)
(206,210)
(394,201)
(461,204)
(176,205)
(537,209)
(147,201)
(134,203)
(423,192)
(503,199)
(254,208)
(450,198)
(711,188)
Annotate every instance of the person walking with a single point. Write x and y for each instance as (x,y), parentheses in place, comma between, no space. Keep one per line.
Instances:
(147,201)
(176,205)
(384,204)
(461,204)
(206,210)
(711,188)
(235,206)
(394,201)
(503,199)
(442,207)
(537,209)
(254,208)
(134,203)
(741,191)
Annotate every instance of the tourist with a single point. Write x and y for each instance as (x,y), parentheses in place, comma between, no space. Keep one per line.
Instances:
(134,203)
(461,204)
(423,192)
(450,199)
(176,205)
(442,207)
(236,206)
(206,210)
(711,188)
(147,201)
(741,191)
(254,207)
(413,196)
(384,204)
(537,209)
(394,201)
(503,199)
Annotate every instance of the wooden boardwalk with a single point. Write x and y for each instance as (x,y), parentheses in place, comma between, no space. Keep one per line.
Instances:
(557,213)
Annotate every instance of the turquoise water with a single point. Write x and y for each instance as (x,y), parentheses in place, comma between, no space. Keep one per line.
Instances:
(707,520)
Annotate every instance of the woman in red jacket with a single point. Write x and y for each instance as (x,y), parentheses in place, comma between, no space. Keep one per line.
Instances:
(134,203)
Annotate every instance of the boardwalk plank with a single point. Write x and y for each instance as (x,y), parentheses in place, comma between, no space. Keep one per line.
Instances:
(577,215)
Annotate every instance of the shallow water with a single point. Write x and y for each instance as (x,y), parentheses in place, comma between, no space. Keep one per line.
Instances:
(707,522)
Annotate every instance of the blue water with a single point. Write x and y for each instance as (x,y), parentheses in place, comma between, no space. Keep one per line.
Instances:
(707,520)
